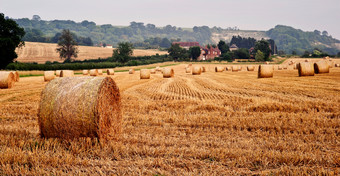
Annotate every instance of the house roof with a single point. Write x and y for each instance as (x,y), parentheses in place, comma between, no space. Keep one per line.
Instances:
(233,46)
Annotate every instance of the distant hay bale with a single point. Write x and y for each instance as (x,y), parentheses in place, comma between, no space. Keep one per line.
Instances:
(131,71)
(285,67)
(144,74)
(110,72)
(250,67)
(306,69)
(48,75)
(85,72)
(187,70)
(290,62)
(337,65)
(7,80)
(267,62)
(158,68)
(80,107)
(196,70)
(57,72)
(168,73)
(279,67)
(219,69)
(190,65)
(228,68)
(153,71)
(93,72)
(321,67)
(203,69)
(239,68)
(306,60)
(100,72)
(16,76)
(66,73)
(234,68)
(265,71)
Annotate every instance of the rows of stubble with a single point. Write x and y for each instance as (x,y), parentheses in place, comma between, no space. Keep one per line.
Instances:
(210,124)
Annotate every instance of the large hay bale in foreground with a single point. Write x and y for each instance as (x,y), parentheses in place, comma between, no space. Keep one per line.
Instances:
(16,76)
(250,67)
(321,67)
(48,75)
(85,72)
(153,71)
(131,71)
(80,107)
(187,70)
(110,72)
(196,70)
(168,73)
(7,80)
(234,68)
(100,72)
(144,74)
(66,73)
(219,69)
(306,69)
(265,71)
(93,72)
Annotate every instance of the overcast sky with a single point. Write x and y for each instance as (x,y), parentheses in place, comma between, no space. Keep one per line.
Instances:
(245,14)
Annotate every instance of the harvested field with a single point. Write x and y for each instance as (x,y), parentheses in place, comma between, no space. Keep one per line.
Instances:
(42,52)
(228,123)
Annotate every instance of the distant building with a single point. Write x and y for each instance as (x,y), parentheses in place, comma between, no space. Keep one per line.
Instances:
(206,53)
(233,47)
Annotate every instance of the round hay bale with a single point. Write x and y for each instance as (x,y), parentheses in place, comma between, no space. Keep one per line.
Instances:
(290,62)
(144,74)
(265,71)
(57,72)
(168,73)
(66,73)
(228,68)
(196,70)
(239,68)
(306,69)
(131,71)
(187,70)
(279,67)
(330,63)
(321,67)
(80,107)
(285,67)
(16,76)
(203,69)
(93,72)
(250,67)
(100,72)
(267,62)
(306,60)
(190,65)
(153,71)
(48,75)
(296,66)
(110,72)
(219,69)
(7,80)
(85,72)
(337,65)
(234,68)
(158,68)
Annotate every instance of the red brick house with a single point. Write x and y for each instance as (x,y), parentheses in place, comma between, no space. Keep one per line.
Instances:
(206,54)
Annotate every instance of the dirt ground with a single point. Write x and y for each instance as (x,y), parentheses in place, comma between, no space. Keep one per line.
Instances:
(228,123)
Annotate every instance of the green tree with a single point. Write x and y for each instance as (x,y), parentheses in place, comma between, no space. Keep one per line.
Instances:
(259,57)
(176,52)
(263,46)
(123,52)
(195,52)
(67,46)
(242,53)
(338,55)
(10,38)
(224,48)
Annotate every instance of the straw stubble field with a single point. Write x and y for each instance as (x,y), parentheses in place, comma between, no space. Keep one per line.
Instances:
(210,124)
